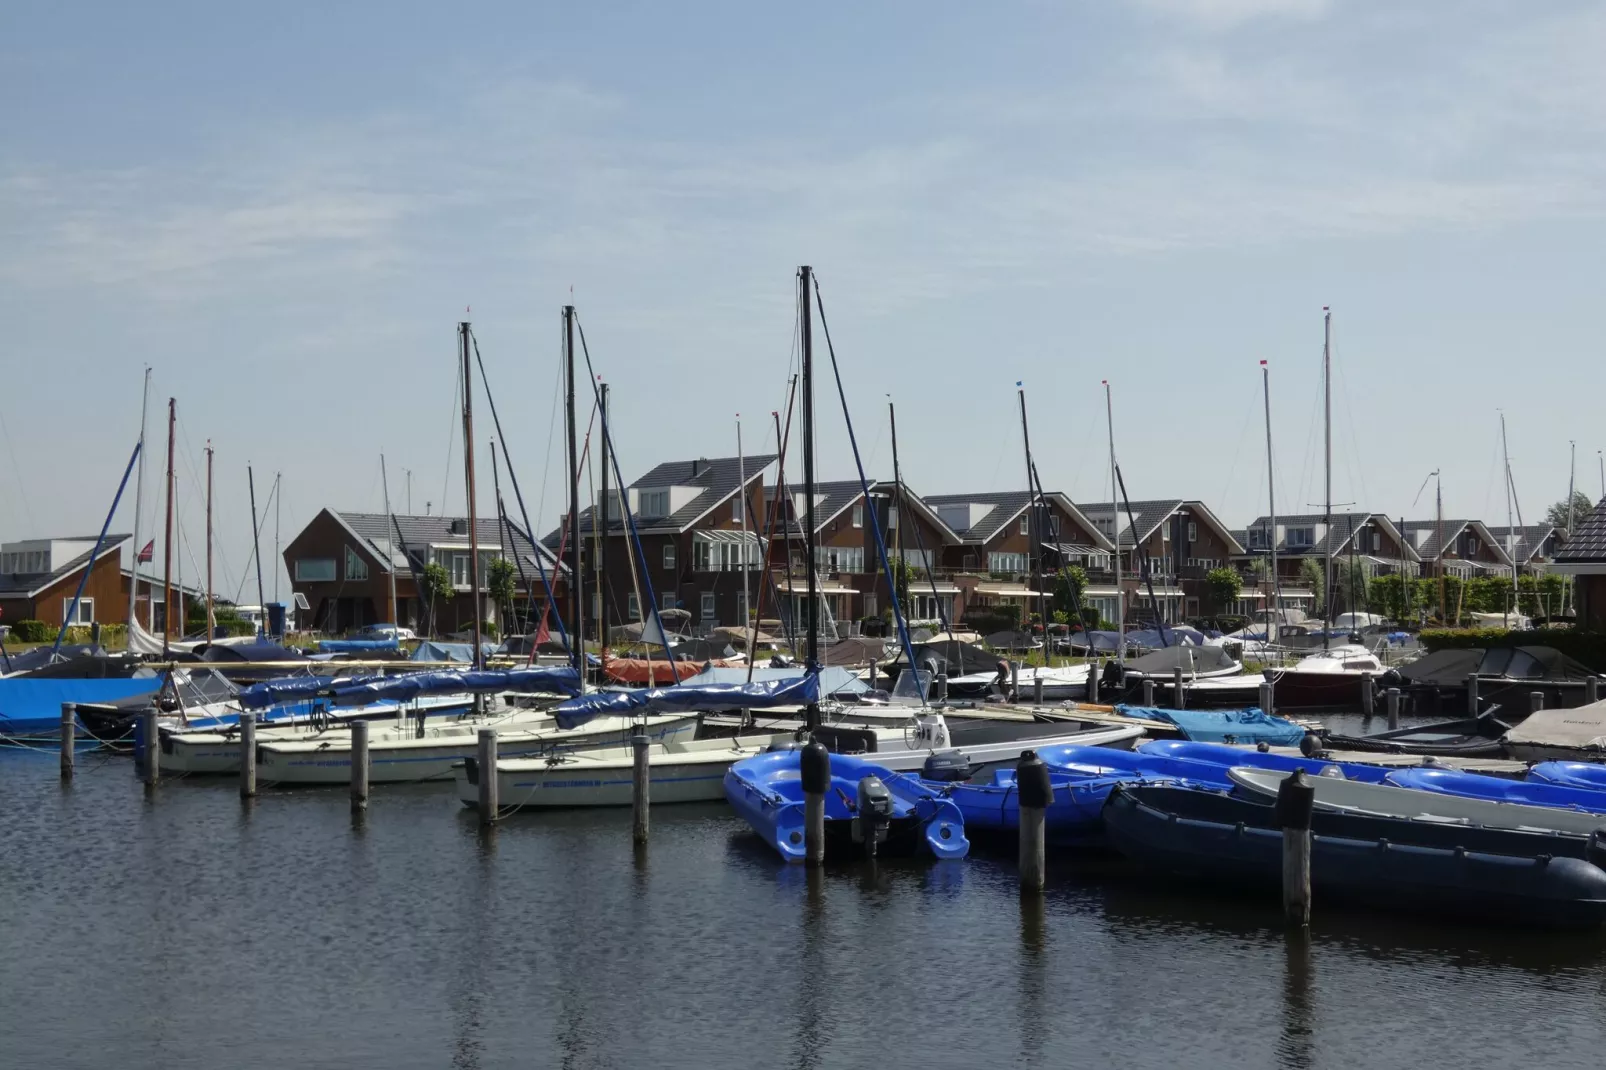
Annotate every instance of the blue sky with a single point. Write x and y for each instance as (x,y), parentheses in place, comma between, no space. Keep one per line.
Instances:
(285,210)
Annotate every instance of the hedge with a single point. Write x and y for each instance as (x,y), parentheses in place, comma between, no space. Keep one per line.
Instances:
(1585,646)
(33,631)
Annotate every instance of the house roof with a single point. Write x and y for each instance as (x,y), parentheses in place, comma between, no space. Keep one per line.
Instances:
(1429,549)
(1588,544)
(1007,507)
(1151,514)
(834,497)
(1337,538)
(1530,541)
(717,479)
(30,584)
(412,536)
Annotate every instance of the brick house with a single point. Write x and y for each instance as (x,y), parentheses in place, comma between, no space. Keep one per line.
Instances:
(1469,549)
(38,578)
(339,562)
(1584,557)
(1183,540)
(1532,546)
(1370,540)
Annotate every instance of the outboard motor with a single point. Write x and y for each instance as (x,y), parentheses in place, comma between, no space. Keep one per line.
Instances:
(874,814)
(947,766)
(781,661)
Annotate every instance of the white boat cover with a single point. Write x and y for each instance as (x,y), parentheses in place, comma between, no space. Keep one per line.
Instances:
(1583,728)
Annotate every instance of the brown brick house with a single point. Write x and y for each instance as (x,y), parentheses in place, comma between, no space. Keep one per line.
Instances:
(1371,540)
(1183,540)
(1584,557)
(38,578)
(1469,548)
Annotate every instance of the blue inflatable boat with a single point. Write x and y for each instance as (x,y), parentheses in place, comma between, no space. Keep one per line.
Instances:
(1498,789)
(1587,775)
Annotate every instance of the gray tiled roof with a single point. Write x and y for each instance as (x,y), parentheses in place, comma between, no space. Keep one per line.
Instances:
(1006,506)
(411,537)
(717,477)
(23,584)
(834,497)
(1429,546)
(1588,544)
(1149,514)
(1337,538)
(1530,539)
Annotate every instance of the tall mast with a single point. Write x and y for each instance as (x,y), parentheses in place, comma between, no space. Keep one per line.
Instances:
(741,496)
(390,545)
(1115,532)
(1505,460)
(473,511)
(167,538)
(211,611)
(139,508)
(1327,509)
(256,549)
(599,526)
(897,489)
(277,556)
(1572,475)
(811,648)
(1034,536)
(1276,592)
(1438,512)
(577,635)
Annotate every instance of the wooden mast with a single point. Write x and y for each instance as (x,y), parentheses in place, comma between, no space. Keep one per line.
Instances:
(211,608)
(805,276)
(167,539)
(473,514)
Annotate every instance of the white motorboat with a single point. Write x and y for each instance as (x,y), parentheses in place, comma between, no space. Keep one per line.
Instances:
(983,742)
(1577,734)
(1061,683)
(680,771)
(1335,793)
(402,755)
(1326,678)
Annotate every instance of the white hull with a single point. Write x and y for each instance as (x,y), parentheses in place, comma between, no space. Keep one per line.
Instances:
(984,755)
(679,773)
(1059,683)
(410,760)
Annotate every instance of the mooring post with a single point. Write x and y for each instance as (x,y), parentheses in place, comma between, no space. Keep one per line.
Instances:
(150,747)
(1394,708)
(359,765)
(1368,694)
(1266,697)
(872,674)
(1093,682)
(1037,689)
(640,785)
(1036,793)
(248,755)
(1591,690)
(69,715)
(816,770)
(942,687)
(486,760)
(1148,692)
(1296,797)
(1472,695)
(1014,681)
(1536,701)
(1178,700)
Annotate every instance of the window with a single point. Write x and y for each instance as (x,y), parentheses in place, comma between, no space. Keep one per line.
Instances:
(919,560)
(1303,537)
(870,604)
(708,607)
(1053,528)
(1001,563)
(858,515)
(1165,532)
(1193,532)
(655,503)
(356,567)
(668,600)
(459,570)
(839,558)
(315,570)
(892,517)
(669,556)
(1026,523)
(632,607)
(86,611)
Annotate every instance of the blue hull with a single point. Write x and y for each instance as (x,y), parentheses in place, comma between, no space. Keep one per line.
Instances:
(1225,757)
(1497,789)
(1586,775)
(30,708)
(766,790)
(1542,891)
(1074,819)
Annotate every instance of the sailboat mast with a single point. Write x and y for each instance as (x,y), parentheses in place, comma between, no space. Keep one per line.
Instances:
(897,489)
(390,544)
(1505,460)
(577,636)
(1275,616)
(139,508)
(1115,532)
(1438,512)
(1572,477)
(211,611)
(256,548)
(811,617)
(1035,538)
(167,538)
(473,511)
(599,526)
(741,497)
(1327,509)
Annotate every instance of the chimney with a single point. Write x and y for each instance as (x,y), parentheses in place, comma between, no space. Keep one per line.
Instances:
(699,466)
(459,526)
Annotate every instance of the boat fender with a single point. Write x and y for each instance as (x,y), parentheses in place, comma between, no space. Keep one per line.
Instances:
(1595,849)
(1263,747)
(947,766)
(815,765)
(1296,798)
(1309,745)
(874,812)
(784,744)
(1032,781)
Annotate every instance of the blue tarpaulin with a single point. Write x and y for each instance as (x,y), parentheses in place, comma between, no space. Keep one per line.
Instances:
(352,646)
(685,698)
(560,679)
(272,692)
(1214,726)
(29,707)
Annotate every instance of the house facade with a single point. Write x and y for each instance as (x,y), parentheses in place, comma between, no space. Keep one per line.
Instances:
(1179,541)
(39,577)
(1584,557)
(1531,547)
(1361,545)
(1469,548)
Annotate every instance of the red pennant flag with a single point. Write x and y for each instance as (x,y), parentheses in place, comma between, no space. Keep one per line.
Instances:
(148,553)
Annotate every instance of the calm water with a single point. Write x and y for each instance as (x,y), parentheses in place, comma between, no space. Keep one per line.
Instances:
(185,930)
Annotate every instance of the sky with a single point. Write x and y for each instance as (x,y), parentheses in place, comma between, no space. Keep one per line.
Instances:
(284,211)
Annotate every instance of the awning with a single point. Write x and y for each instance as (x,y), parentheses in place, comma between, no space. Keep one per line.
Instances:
(1076,549)
(917,588)
(1008,591)
(802,587)
(721,535)
(1100,592)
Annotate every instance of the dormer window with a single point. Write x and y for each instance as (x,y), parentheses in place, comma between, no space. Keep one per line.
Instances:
(654,503)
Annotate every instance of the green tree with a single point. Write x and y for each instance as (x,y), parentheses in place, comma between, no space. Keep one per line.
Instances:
(1223,585)
(1311,575)
(434,584)
(1069,586)
(500,580)
(1556,515)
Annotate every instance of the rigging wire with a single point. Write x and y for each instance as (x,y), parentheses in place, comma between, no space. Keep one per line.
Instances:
(22,490)
(452,431)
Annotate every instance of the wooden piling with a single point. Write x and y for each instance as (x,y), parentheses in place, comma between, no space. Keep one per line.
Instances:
(1179,700)
(816,776)
(872,674)
(1014,681)
(1266,697)
(1093,682)
(1148,692)
(485,759)
(1536,701)
(942,687)
(248,755)
(1394,708)
(150,747)
(1296,797)
(1368,694)
(359,765)
(1472,695)
(1036,792)
(1037,690)
(1591,690)
(640,786)
(69,717)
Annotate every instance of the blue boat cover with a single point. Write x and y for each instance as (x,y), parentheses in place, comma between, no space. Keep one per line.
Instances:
(834,680)
(429,650)
(30,706)
(272,692)
(1214,726)
(685,698)
(348,646)
(560,679)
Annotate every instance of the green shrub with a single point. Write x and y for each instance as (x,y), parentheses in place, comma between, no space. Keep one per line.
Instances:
(1588,648)
(33,631)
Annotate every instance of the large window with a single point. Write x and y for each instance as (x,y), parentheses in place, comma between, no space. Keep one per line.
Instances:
(1301,537)
(858,515)
(840,558)
(725,551)
(919,560)
(654,503)
(708,607)
(632,607)
(1010,563)
(315,570)
(356,567)
(669,556)
(86,611)
(460,570)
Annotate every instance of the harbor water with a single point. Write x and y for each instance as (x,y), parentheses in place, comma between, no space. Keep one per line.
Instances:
(184,928)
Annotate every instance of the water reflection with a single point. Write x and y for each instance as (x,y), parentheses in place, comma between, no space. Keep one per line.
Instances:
(809,1042)
(1294,1046)
(468,1043)
(1030,1002)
